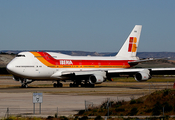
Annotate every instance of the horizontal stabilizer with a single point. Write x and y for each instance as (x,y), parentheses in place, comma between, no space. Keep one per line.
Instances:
(145,60)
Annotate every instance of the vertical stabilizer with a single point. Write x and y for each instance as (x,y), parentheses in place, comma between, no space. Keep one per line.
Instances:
(129,48)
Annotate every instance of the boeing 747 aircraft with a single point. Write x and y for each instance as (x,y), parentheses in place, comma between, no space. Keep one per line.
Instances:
(86,71)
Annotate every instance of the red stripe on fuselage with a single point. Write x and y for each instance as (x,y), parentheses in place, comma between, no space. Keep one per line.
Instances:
(54,61)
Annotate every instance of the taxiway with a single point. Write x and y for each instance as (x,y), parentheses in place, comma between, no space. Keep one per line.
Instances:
(67,101)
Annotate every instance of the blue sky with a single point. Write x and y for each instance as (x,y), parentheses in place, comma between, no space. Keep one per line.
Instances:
(86,25)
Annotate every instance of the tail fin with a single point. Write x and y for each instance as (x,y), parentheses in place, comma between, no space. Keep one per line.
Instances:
(129,48)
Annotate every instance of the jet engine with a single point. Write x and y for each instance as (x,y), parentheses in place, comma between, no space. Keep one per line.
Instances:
(143,75)
(97,77)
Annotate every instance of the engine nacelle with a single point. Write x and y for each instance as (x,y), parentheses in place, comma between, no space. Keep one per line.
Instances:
(143,75)
(96,79)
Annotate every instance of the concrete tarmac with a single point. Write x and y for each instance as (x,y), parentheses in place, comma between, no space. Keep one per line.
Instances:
(66,101)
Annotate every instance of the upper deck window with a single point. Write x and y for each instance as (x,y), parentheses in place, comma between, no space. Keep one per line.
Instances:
(20,55)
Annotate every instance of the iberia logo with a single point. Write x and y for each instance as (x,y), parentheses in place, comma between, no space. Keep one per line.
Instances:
(132,44)
(66,62)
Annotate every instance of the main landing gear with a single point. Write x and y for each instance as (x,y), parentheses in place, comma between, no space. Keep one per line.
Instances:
(84,84)
(75,84)
(58,84)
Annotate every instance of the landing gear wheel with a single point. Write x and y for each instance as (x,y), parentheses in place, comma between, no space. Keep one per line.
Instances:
(54,85)
(92,85)
(24,86)
(57,85)
(60,85)
(82,85)
(73,85)
(70,85)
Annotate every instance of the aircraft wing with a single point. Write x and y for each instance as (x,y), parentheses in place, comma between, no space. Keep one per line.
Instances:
(140,74)
(152,71)
(129,70)
(163,71)
(90,72)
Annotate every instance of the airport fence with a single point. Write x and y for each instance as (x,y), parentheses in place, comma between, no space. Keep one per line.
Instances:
(17,111)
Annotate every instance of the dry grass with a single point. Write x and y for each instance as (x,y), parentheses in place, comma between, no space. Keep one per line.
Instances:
(148,105)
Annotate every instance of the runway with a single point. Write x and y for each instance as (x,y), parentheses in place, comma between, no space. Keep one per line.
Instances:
(67,101)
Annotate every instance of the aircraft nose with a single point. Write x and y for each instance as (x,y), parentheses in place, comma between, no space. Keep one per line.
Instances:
(10,68)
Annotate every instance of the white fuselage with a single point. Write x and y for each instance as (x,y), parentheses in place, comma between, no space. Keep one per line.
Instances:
(31,65)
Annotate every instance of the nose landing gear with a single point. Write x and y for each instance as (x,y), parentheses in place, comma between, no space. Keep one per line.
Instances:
(24,86)
(24,83)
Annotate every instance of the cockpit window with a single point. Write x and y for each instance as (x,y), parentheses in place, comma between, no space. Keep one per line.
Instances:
(20,55)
